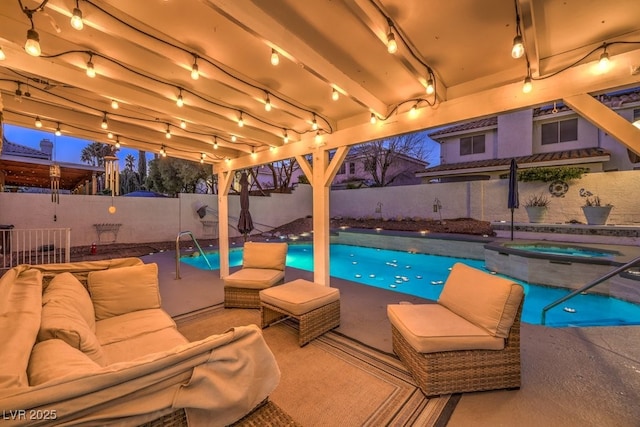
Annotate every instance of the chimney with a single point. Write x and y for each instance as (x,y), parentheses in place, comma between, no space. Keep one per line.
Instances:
(46,146)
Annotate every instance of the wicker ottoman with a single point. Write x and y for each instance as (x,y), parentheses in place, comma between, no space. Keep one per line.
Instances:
(316,307)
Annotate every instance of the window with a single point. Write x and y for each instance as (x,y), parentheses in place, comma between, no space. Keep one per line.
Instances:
(352,168)
(472,145)
(560,131)
(343,169)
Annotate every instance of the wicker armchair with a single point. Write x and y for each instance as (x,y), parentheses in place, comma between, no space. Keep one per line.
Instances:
(468,341)
(263,266)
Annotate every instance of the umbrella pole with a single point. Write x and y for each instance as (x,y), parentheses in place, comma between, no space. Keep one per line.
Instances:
(511,223)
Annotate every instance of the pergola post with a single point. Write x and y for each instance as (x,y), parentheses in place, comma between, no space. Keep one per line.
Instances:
(224,183)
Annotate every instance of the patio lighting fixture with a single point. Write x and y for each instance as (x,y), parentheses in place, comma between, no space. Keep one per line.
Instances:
(314,123)
(2,55)
(517,50)
(603,63)
(104,124)
(117,141)
(163,152)
(527,86)
(285,137)
(267,103)
(58,131)
(183,124)
(114,104)
(253,152)
(32,45)
(202,157)
(110,135)
(76,18)
(272,148)
(373,119)
(18,94)
(392,45)
(91,72)
(275,58)
(195,74)
(234,138)
(215,142)
(335,95)
(179,100)
(414,110)
(318,139)
(168,132)
(240,121)
(38,122)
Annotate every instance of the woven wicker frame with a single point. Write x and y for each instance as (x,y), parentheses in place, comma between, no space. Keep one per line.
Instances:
(241,297)
(465,370)
(266,413)
(312,324)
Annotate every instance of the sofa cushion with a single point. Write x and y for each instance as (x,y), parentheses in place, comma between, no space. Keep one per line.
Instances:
(20,311)
(55,358)
(67,289)
(271,256)
(130,325)
(61,320)
(122,290)
(431,328)
(299,296)
(254,278)
(484,299)
(144,344)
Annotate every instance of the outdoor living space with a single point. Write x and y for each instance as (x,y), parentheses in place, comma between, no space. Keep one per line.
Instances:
(570,376)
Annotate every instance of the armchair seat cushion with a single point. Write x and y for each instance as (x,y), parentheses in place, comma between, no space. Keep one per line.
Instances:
(431,328)
(254,278)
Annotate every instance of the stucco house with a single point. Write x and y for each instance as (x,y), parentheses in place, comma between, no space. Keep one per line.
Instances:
(552,135)
(355,171)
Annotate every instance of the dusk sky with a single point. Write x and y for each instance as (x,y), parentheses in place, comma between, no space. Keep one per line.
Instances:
(66,148)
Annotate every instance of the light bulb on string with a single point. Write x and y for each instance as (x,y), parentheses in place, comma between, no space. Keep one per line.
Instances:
(373,119)
(183,124)
(275,58)
(317,139)
(179,100)
(58,131)
(2,55)
(314,123)
(91,71)
(114,104)
(32,45)
(527,85)
(215,142)
(267,103)
(104,124)
(414,110)
(603,62)
(430,89)
(518,47)
(240,121)
(285,137)
(195,73)
(76,18)
(234,138)
(117,142)
(110,135)
(38,122)
(392,45)
(163,153)
(168,133)
(335,95)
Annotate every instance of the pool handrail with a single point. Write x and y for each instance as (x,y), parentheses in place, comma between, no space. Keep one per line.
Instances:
(589,285)
(182,233)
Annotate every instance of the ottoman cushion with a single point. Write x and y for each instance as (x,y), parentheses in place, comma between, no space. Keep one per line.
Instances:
(299,296)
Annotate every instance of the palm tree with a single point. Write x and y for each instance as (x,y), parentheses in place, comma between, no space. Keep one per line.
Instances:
(94,153)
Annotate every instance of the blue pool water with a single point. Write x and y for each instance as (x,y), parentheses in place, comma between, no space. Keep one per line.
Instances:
(424,275)
(563,250)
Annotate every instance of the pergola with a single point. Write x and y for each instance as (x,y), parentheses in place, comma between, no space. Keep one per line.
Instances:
(453,63)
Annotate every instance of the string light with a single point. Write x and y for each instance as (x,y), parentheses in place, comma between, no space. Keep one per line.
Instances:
(318,138)
(517,49)
(603,63)
(414,110)
(275,58)
(253,152)
(234,138)
(18,94)
(314,123)
(179,100)
(430,88)
(240,121)
(195,74)
(114,104)
(168,133)
(91,72)
(110,135)
(202,157)
(267,103)
(117,142)
(392,45)
(373,119)
(335,95)
(285,137)
(527,85)
(163,152)
(76,19)
(215,142)
(183,124)
(58,131)
(38,122)
(32,45)
(104,124)
(2,55)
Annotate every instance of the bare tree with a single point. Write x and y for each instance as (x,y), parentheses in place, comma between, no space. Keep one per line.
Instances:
(380,155)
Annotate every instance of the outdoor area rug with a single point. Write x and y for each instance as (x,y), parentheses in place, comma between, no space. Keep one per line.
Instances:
(334,380)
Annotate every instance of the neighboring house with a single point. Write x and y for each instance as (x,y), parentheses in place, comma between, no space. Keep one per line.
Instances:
(354,171)
(549,136)
(25,167)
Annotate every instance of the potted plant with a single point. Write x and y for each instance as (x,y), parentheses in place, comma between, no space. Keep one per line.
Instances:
(536,206)
(595,212)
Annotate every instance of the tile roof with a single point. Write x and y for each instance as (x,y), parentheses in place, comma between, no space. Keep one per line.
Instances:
(499,164)
(12,149)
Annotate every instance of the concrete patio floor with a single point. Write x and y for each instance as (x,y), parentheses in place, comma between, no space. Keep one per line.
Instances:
(570,376)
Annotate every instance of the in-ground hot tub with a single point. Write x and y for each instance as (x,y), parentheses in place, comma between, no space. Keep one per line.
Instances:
(564,265)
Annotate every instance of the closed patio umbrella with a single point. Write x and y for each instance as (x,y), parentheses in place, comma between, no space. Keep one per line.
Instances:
(513,201)
(245,223)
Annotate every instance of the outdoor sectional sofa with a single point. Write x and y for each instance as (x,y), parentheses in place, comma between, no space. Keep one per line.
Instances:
(112,355)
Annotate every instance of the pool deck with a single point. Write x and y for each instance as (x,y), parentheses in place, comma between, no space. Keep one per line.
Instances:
(570,376)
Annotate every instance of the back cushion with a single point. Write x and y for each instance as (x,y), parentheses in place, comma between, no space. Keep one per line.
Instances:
(20,308)
(62,320)
(264,255)
(53,359)
(486,300)
(67,289)
(123,290)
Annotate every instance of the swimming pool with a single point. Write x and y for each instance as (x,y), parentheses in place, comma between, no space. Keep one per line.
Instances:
(423,275)
(556,249)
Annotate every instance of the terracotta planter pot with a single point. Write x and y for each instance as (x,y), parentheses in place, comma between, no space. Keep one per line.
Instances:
(596,215)
(536,213)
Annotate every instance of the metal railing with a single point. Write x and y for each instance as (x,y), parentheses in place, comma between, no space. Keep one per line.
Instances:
(34,246)
(589,285)
(182,233)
